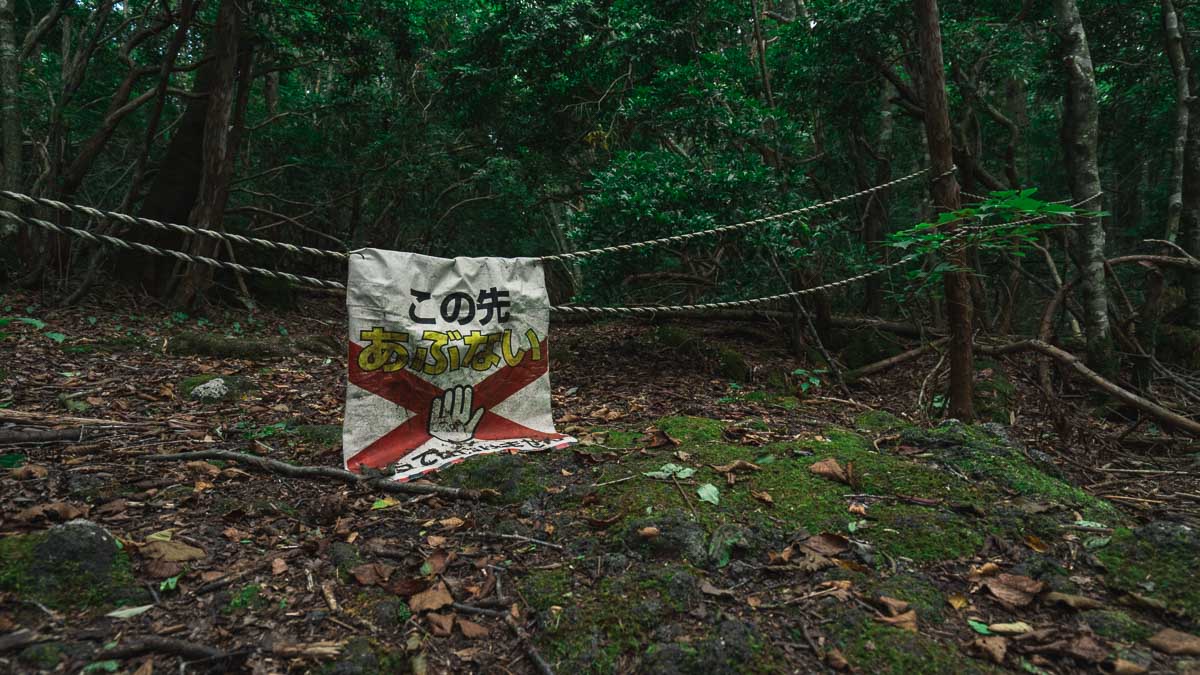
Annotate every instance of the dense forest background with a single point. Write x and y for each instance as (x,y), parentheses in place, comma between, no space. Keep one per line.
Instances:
(534,128)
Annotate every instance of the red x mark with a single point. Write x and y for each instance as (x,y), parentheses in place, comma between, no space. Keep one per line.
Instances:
(404,388)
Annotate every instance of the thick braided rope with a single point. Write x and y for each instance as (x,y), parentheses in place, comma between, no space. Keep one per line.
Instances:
(169,253)
(620,248)
(650,310)
(169,227)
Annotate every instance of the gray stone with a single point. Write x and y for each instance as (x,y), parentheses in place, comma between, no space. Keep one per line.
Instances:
(81,546)
(678,538)
(213,390)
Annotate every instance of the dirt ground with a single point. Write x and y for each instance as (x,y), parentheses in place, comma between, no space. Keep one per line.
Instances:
(723,513)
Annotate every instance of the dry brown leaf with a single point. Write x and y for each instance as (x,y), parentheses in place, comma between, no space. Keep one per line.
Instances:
(835,660)
(763,496)
(452,523)
(30,472)
(1014,589)
(1035,543)
(278,566)
(827,544)
(113,508)
(994,646)
(202,468)
(161,569)
(57,512)
(371,574)
(472,630)
(735,466)
(906,621)
(1073,601)
(437,561)
(782,557)
(858,509)
(202,485)
(442,624)
(648,532)
(434,598)
(147,668)
(1176,643)
(171,551)
(893,606)
(234,534)
(831,469)
(1123,667)
(657,438)
(406,587)
(435,541)
(985,570)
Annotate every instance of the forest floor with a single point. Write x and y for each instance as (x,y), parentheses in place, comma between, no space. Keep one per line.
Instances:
(843,530)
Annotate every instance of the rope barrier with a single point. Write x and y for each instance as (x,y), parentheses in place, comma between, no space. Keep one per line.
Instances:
(566,309)
(650,310)
(127,219)
(169,253)
(621,248)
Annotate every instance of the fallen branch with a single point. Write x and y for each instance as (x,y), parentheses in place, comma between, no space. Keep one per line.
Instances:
(531,652)
(8,436)
(310,472)
(10,415)
(1154,410)
(160,645)
(872,368)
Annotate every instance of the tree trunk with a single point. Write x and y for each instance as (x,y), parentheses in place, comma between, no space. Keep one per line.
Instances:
(876,217)
(219,147)
(1080,131)
(1174,48)
(945,197)
(10,109)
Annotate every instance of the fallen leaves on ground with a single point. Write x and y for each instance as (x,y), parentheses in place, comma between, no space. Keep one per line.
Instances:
(830,468)
(1175,643)
(434,598)
(1013,589)
(372,574)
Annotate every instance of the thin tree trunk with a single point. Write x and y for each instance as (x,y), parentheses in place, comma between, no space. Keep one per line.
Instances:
(1080,132)
(10,108)
(1174,48)
(877,211)
(218,148)
(946,198)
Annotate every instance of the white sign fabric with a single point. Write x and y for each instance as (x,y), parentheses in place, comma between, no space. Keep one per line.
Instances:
(449,358)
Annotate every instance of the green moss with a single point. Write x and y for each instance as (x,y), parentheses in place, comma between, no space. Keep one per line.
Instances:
(1153,566)
(688,430)
(622,439)
(879,421)
(69,584)
(543,589)
(1116,625)
(248,597)
(872,647)
(731,364)
(516,477)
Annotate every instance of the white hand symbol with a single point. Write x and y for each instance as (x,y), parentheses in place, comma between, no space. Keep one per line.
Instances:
(451,418)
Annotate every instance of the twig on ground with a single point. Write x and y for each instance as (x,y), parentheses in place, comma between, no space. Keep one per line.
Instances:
(531,652)
(686,500)
(614,482)
(160,645)
(15,436)
(515,537)
(309,472)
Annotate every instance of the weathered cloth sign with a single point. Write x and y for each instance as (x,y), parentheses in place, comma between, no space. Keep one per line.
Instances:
(448,359)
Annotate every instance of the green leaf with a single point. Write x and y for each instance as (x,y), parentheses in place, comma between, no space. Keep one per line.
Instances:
(709,493)
(11,460)
(169,584)
(385,503)
(666,471)
(979,627)
(57,337)
(1089,523)
(106,666)
(36,323)
(685,473)
(1096,542)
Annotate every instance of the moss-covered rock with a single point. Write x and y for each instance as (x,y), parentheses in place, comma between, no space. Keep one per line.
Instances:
(42,656)
(362,656)
(76,564)
(1115,625)
(1157,560)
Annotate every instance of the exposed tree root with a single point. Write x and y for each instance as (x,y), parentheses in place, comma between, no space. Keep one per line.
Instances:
(317,472)
(878,366)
